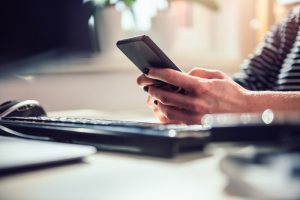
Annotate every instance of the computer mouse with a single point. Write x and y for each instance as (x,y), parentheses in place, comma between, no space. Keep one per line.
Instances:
(21,108)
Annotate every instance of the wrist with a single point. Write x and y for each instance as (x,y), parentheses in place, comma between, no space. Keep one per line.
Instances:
(255,101)
(259,101)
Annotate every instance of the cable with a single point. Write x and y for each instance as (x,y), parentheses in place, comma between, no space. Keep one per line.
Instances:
(21,135)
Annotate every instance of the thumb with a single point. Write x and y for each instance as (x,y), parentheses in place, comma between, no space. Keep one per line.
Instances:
(207,73)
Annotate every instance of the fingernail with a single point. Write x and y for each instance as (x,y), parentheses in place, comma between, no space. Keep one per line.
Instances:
(146,88)
(158,82)
(155,102)
(174,88)
(146,71)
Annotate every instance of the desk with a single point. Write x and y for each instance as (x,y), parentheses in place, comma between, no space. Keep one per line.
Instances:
(114,176)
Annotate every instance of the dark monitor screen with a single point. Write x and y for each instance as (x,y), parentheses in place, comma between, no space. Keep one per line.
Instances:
(33,27)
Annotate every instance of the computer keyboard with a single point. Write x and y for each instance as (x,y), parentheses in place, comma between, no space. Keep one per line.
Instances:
(114,135)
(108,124)
(150,138)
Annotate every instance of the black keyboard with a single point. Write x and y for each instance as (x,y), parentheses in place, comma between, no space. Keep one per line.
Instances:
(150,138)
(113,135)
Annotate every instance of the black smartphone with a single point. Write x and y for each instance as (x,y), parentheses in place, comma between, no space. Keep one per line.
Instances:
(145,54)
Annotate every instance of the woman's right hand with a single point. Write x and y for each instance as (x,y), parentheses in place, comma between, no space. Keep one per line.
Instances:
(202,92)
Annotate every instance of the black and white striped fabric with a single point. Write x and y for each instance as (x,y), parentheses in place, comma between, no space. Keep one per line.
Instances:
(275,65)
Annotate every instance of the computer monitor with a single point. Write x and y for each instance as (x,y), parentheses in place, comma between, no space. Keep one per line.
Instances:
(31,29)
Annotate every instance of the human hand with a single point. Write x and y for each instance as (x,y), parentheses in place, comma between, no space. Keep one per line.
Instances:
(206,91)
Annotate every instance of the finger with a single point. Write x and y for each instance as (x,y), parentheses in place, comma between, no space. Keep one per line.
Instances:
(164,120)
(150,103)
(174,77)
(143,81)
(179,115)
(158,114)
(176,99)
(207,73)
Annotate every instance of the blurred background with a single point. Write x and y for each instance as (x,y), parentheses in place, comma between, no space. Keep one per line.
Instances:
(63,54)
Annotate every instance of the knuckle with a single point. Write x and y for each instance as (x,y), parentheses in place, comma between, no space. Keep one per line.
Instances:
(208,86)
(152,72)
(193,72)
(215,83)
(196,106)
(164,99)
(201,89)
(199,106)
(168,76)
(154,93)
(151,92)
(198,109)
(218,73)
(169,114)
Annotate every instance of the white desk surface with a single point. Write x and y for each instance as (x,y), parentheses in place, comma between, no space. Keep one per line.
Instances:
(114,176)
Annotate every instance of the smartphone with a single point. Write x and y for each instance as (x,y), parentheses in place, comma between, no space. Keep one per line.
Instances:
(145,54)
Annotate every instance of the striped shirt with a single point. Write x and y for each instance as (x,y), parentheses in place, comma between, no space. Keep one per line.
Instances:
(275,65)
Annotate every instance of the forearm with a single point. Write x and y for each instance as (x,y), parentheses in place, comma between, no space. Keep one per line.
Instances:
(277,101)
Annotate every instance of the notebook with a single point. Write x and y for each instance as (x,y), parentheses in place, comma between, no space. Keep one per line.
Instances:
(21,154)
